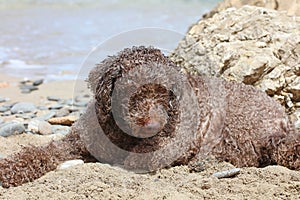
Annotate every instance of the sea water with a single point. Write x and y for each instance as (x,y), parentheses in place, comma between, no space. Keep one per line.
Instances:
(50,39)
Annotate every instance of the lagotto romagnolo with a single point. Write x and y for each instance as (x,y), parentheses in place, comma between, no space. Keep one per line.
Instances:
(231,121)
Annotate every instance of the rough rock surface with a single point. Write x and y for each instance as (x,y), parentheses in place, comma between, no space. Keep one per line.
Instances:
(252,45)
(292,7)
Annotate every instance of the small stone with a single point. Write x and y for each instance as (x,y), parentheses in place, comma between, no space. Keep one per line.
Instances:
(42,107)
(59,129)
(45,128)
(28,88)
(11,128)
(38,82)
(62,112)
(40,127)
(33,126)
(80,104)
(5,114)
(68,120)
(23,107)
(9,105)
(47,116)
(69,102)
(73,109)
(25,91)
(3,99)
(1,121)
(227,173)
(4,109)
(56,106)
(69,163)
(53,98)
(25,116)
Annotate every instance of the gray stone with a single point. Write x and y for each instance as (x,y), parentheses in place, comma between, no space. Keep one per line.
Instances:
(69,102)
(80,104)
(45,128)
(53,98)
(9,105)
(33,126)
(11,128)
(73,109)
(42,107)
(47,116)
(28,88)
(59,129)
(4,109)
(56,106)
(62,112)
(1,121)
(25,116)
(5,114)
(3,99)
(23,107)
(39,127)
(38,82)
(25,91)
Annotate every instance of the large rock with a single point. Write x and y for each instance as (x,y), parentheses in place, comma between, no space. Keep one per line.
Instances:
(252,45)
(292,7)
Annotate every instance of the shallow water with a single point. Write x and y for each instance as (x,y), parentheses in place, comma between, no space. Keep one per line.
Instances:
(51,38)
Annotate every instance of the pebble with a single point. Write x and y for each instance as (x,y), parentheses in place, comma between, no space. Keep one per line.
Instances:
(9,105)
(45,128)
(25,91)
(38,82)
(25,116)
(59,129)
(67,120)
(40,127)
(69,163)
(80,104)
(28,87)
(227,173)
(4,109)
(56,106)
(53,98)
(47,116)
(1,121)
(23,107)
(5,114)
(69,102)
(3,99)
(42,107)
(73,109)
(11,128)
(62,112)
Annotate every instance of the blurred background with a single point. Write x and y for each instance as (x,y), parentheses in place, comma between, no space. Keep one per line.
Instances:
(50,38)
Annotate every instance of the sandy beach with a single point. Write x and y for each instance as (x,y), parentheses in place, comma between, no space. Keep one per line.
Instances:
(65,97)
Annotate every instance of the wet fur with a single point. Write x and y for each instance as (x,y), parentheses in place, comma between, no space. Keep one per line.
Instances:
(251,129)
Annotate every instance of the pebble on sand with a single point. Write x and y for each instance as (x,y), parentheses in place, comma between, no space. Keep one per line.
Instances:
(11,128)
(23,107)
(40,127)
(68,120)
(38,82)
(3,99)
(227,173)
(70,163)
